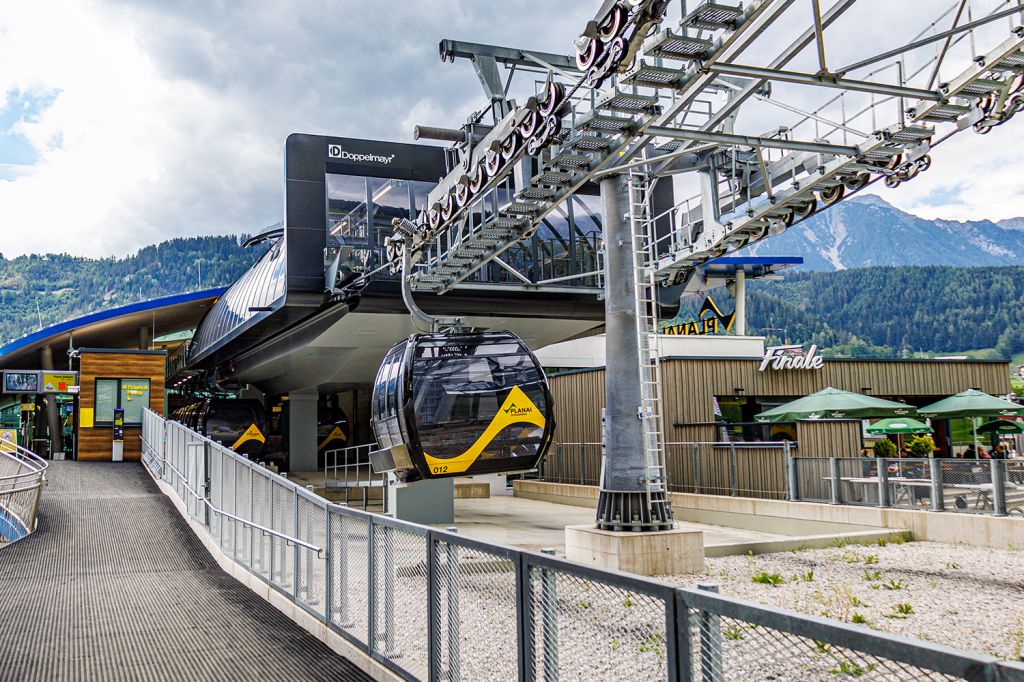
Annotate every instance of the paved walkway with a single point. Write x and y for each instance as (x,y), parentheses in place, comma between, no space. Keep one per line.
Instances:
(115,586)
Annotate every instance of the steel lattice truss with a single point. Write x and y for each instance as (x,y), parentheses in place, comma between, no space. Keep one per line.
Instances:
(753,138)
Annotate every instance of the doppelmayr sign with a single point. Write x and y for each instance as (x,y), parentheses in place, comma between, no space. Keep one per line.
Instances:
(791,357)
(335,151)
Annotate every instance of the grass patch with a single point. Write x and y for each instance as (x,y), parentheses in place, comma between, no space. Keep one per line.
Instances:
(858,619)
(852,669)
(734,633)
(893,584)
(900,611)
(871,559)
(872,575)
(765,578)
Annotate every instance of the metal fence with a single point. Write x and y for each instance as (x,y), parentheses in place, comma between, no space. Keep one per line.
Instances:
(431,604)
(985,486)
(752,469)
(22,477)
(348,472)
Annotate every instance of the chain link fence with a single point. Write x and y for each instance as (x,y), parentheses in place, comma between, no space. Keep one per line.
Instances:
(430,604)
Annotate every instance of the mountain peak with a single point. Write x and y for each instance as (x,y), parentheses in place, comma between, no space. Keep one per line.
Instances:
(872,200)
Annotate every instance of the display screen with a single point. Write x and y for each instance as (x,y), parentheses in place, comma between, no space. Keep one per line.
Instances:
(21,382)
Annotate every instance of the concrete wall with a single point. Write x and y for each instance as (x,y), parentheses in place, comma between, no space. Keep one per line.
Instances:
(977,530)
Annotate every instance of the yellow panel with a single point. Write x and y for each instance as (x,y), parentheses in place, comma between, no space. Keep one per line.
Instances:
(85,416)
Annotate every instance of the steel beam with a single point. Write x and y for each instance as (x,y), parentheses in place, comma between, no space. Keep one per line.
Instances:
(934,38)
(825,80)
(753,141)
(450,50)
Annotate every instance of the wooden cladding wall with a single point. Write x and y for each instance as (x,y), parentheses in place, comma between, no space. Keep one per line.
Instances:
(96,443)
(689,385)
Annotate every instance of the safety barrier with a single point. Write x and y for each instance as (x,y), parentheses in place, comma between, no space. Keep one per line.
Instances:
(431,604)
(348,469)
(992,486)
(22,477)
(750,469)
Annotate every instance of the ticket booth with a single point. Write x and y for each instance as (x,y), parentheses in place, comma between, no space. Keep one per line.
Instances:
(115,387)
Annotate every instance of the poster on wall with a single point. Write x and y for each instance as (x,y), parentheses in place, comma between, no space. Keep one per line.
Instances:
(58,382)
(16,381)
(8,439)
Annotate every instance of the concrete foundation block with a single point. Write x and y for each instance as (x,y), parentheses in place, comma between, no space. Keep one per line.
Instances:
(472,491)
(666,552)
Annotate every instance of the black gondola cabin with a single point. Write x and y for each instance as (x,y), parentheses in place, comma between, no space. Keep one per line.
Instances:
(461,404)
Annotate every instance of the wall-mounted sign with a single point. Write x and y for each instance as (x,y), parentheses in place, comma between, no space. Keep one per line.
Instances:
(59,382)
(710,320)
(8,439)
(791,357)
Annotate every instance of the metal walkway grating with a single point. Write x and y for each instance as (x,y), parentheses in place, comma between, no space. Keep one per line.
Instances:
(115,586)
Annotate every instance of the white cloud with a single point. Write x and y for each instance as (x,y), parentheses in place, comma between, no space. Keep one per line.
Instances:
(169,118)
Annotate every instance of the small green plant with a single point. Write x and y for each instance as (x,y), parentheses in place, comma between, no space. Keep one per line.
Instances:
(893,584)
(616,645)
(822,647)
(881,542)
(654,644)
(856,601)
(629,603)
(952,565)
(734,633)
(858,618)
(584,604)
(898,539)
(1017,636)
(773,579)
(921,447)
(884,448)
(841,542)
(851,669)
(808,577)
(875,586)
(871,559)
(872,575)
(900,611)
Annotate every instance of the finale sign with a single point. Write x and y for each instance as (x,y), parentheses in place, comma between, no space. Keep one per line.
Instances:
(791,357)
(710,320)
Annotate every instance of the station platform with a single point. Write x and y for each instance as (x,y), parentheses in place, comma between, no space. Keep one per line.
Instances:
(115,586)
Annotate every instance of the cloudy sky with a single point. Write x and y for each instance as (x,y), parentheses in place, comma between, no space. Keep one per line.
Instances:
(123,123)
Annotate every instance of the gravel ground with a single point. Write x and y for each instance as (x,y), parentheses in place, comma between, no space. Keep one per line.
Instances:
(966,597)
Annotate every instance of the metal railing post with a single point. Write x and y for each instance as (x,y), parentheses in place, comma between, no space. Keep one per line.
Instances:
(935,469)
(833,480)
(998,471)
(696,469)
(524,621)
(344,620)
(549,620)
(389,593)
(710,641)
(371,598)
(328,565)
(433,618)
(296,554)
(452,590)
(792,474)
(582,480)
(883,483)
(733,474)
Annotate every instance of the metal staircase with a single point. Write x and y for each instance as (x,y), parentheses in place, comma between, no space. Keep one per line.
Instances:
(642,230)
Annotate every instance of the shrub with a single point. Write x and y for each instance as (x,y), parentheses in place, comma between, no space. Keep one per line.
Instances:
(921,446)
(884,448)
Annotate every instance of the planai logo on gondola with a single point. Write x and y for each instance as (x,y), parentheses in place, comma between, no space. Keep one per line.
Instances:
(514,410)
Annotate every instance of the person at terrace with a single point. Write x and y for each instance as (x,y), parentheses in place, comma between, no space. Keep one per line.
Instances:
(969,453)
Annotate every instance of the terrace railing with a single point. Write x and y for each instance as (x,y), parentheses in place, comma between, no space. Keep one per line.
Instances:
(22,477)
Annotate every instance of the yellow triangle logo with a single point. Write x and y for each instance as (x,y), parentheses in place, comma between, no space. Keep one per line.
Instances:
(251,433)
(336,434)
(516,409)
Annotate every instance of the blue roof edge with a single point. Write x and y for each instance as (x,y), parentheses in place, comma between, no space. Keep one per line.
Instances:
(109,314)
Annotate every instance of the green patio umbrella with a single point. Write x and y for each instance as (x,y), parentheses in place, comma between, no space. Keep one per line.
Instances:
(831,403)
(900,425)
(1001,426)
(971,404)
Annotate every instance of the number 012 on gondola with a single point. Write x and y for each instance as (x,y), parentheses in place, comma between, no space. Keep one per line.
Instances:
(460,404)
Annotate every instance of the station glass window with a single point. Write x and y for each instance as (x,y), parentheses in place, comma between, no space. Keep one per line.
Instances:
(132,395)
(737,416)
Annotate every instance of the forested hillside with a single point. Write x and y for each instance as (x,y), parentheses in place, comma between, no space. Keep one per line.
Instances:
(896,310)
(55,287)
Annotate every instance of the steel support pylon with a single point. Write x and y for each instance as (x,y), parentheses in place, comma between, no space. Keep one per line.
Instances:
(633,495)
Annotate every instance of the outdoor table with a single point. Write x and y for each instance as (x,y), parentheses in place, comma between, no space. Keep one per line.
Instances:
(868,488)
